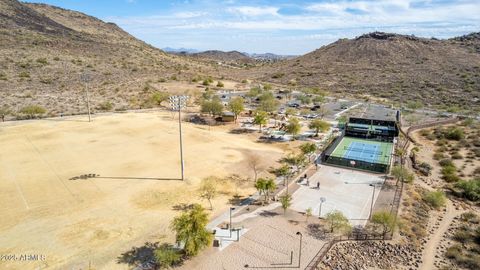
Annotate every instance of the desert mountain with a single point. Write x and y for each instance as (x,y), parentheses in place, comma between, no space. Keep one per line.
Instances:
(226,57)
(45,50)
(404,68)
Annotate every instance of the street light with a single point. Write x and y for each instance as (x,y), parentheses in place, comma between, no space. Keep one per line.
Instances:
(177,103)
(322,200)
(371,205)
(230,226)
(300,249)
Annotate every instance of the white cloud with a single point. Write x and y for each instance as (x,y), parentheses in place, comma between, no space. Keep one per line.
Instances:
(254,11)
(189,14)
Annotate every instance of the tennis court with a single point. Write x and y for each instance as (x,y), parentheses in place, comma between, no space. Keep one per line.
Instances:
(364,150)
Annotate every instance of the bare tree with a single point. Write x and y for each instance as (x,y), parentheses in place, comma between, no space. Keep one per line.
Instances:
(255,163)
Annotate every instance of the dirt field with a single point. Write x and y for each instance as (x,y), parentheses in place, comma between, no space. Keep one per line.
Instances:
(76,222)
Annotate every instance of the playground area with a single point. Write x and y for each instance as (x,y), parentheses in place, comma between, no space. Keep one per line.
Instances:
(51,209)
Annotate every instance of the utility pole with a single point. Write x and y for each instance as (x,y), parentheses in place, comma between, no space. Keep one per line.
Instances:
(373,198)
(86,78)
(177,102)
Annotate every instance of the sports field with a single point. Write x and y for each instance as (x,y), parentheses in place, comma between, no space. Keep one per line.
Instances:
(87,223)
(364,150)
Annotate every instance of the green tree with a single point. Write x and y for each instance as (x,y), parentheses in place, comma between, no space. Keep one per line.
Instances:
(190,230)
(260,119)
(294,160)
(236,106)
(265,186)
(402,174)
(158,97)
(319,125)
(293,127)
(208,190)
(308,148)
(33,111)
(213,107)
(167,256)
(337,221)
(268,102)
(385,220)
(286,201)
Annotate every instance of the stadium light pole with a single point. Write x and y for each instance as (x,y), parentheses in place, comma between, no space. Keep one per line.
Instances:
(177,102)
(371,205)
(86,78)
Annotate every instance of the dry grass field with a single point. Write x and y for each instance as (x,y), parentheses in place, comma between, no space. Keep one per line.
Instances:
(136,155)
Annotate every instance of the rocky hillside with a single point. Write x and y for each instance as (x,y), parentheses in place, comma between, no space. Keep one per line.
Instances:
(405,68)
(44,50)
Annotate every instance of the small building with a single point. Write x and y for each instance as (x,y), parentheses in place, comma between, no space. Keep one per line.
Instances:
(228,117)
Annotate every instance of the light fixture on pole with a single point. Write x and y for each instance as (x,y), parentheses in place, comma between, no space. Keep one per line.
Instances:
(86,78)
(300,249)
(230,226)
(322,200)
(177,103)
(373,197)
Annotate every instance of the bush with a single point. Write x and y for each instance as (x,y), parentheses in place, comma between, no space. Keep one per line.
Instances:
(105,106)
(33,111)
(455,134)
(469,189)
(24,74)
(167,256)
(457,156)
(446,163)
(435,199)
(220,84)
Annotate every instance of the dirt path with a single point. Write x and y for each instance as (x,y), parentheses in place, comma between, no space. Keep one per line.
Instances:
(428,256)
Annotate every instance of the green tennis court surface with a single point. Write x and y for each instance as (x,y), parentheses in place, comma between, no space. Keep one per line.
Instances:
(364,150)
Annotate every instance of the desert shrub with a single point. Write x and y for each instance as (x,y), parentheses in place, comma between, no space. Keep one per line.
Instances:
(469,189)
(438,156)
(446,163)
(451,178)
(42,61)
(220,84)
(167,256)
(457,156)
(105,106)
(435,199)
(24,74)
(450,169)
(455,134)
(32,111)
(454,252)
(476,151)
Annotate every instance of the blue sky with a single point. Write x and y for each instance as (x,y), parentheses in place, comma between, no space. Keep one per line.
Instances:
(283,27)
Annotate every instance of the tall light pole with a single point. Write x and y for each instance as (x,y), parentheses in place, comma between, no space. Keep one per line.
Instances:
(373,197)
(86,78)
(230,226)
(322,200)
(177,102)
(300,249)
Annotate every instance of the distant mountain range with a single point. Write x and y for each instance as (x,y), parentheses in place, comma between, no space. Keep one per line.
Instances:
(227,56)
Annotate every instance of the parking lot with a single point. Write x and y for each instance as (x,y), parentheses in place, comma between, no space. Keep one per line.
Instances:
(346,190)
